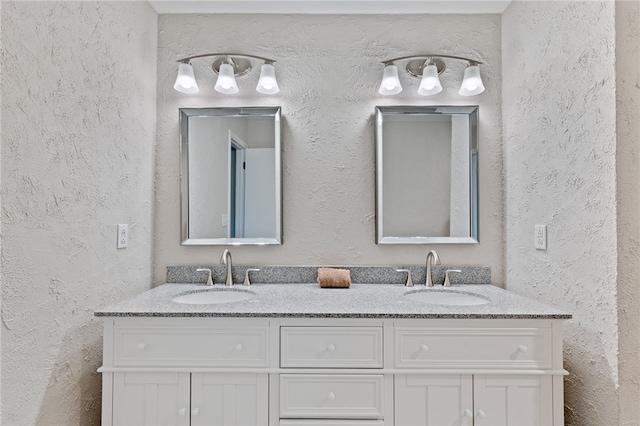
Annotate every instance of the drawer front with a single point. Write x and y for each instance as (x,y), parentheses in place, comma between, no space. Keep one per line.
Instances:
(315,396)
(331,347)
(190,345)
(473,347)
(324,422)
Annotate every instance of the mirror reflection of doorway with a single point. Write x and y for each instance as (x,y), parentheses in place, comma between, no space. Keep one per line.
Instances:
(237,194)
(251,204)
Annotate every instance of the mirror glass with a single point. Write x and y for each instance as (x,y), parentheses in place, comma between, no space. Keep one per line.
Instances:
(230,170)
(427,175)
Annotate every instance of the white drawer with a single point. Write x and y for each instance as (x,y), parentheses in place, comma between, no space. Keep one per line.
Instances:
(326,396)
(324,422)
(190,345)
(331,347)
(473,347)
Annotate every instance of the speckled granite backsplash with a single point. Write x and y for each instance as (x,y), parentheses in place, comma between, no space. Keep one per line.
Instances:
(309,274)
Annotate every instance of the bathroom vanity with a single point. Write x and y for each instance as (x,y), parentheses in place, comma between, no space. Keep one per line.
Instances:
(298,355)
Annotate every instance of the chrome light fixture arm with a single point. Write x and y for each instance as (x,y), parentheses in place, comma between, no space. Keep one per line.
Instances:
(428,56)
(239,55)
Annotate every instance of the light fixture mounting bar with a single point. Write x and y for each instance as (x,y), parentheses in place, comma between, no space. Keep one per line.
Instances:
(239,55)
(415,67)
(433,56)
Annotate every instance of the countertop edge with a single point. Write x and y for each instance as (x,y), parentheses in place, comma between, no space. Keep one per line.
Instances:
(310,301)
(320,315)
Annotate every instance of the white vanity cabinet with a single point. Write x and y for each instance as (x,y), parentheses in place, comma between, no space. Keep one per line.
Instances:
(154,399)
(229,399)
(508,372)
(512,400)
(148,399)
(332,371)
(431,399)
(185,371)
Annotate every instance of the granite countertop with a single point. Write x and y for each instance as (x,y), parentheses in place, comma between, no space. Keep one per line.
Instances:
(311,301)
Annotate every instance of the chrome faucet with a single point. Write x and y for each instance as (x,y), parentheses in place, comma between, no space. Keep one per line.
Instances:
(432,259)
(226,260)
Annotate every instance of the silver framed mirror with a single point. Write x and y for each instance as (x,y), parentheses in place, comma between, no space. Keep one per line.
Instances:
(231,179)
(427,175)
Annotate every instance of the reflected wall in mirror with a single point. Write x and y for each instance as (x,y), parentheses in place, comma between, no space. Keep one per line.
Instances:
(230,166)
(427,175)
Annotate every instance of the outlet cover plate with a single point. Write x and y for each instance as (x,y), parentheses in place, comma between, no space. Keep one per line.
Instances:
(123,236)
(540,241)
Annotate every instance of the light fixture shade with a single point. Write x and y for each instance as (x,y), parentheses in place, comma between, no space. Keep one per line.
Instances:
(472,83)
(226,82)
(268,83)
(430,83)
(186,81)
(390,82)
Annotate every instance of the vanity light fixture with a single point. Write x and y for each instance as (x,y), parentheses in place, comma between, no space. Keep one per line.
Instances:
(428,67)
(186,81)
(390,84)
(228,66)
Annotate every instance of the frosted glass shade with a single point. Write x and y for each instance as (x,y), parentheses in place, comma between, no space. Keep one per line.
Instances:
(390,82)
(472,83)
(430,83)
(186,81)
(267,83)
(226,82)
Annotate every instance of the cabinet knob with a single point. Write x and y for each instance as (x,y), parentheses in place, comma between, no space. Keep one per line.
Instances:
(481,413)
(239,347)
(195,411)
(331,396)
(141,346)
(182,411)
(468,413)
(424,348)
(331,348)
(522,348)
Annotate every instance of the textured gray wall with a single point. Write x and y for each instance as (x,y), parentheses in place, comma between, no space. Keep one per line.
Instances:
(559,118)
(78,132)
(628,170)
(82,121)
(329,71)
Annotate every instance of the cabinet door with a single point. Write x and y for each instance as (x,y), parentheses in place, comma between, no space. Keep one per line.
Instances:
(433,400)
(513,400)
(229,399)
(153,399)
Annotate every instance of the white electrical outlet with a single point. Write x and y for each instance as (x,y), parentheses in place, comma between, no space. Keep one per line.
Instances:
(123,236)
(225,220)
(540,242)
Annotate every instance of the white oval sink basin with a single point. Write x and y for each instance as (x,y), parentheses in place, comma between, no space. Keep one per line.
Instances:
(208,297)
(444,297)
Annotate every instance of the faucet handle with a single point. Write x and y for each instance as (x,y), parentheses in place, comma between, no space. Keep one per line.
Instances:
(409,282)
(209,279)
(246,276)
(447,281)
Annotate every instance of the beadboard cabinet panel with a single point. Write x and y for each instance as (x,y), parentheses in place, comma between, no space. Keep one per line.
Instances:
(422,399)
(151,399)
(229,399)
